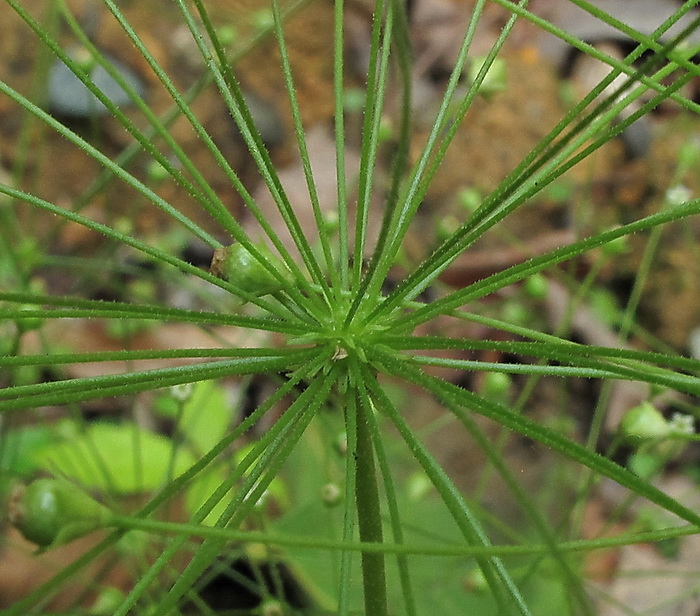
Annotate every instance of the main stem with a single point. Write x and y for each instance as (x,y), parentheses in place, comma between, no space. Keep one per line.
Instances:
(369,517)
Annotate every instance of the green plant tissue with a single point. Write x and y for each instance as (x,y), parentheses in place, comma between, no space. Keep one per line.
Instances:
(121,458)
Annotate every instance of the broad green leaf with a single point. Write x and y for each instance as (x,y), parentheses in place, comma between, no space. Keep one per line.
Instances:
(206,416)
(121,458)
(200,491)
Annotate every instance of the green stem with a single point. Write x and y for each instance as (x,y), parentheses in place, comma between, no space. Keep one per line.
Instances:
(369,516)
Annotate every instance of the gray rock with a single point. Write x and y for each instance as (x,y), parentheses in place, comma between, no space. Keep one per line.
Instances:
(644,16)
(70,97)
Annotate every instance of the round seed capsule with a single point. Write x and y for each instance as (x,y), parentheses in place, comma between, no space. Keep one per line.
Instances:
(51,512)
(238,266)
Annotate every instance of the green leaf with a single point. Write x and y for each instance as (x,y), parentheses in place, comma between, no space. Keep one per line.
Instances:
(200,491)
(19,448)
(205,416)
(121,458)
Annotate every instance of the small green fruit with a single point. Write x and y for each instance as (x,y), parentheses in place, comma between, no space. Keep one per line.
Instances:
(236,264)
(51,512)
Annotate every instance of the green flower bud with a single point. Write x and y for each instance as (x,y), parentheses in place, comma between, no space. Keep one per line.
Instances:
(418,486)
(340,444)
(51,512)
(237,265)
(271,607)
(331,222)
(354,100)
(643,423)
(257,553)
(25,324)
(536,286)
(515,313)
(331,495)
(469,199)
(227,35)
(262,20)
(83,58)
(645,464)
(495,78)
(107,602)
(386,130)
(618,246)
(446,226)
(156,172)
(496,386)
(604,306)
(476,582)
(678,195)
(182,392)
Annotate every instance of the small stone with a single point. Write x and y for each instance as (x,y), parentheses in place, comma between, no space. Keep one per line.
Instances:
(70,97)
